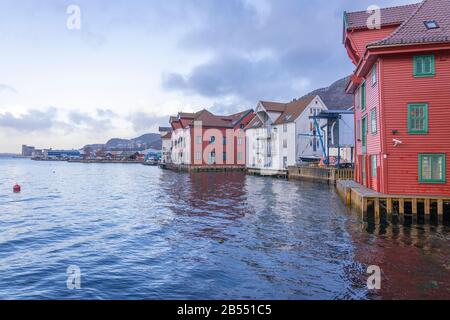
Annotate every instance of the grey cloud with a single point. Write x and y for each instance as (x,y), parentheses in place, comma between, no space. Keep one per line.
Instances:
(6,88)
(34,120)
(106,113)
(80,119)
(142,121)
(264,55)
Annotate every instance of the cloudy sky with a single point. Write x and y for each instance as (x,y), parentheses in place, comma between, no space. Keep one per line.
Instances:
(135,62)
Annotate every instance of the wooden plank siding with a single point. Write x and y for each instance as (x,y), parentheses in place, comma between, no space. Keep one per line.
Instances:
(360,38)
(400,87)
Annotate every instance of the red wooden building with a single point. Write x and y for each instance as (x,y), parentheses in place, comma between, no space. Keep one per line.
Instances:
(205,139)
(401,86)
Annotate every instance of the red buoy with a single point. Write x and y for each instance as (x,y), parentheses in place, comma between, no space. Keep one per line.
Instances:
(17,188)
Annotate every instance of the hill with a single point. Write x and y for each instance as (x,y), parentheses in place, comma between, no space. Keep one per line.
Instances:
(146,141)
(334,96)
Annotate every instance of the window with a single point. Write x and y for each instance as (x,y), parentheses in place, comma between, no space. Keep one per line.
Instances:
(198,156)
(239,156)
(363,96)
(284,127)
(431,24)
(358,129)
(285,143)
(424,66)
(239,141)
(224,140)
(374,75)
(418,118)
(373,160)
(224,156)
(199,139)
(432,168)
(212,139)
(373,121)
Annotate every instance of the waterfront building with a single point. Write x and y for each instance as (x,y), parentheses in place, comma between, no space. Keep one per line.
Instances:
(401,89)
(284,134)
(61,154)
(27,151)
(166,138)
(204,139)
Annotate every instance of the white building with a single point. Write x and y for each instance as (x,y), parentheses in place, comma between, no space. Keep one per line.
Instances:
(181,138)
(283,134)
(166,139)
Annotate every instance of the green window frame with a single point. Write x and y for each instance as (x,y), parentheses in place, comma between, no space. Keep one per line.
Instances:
(432,168)
(364,125)
(374,75)
(363,96)
(424,66)
(373,121)
(373,165)
(418,118)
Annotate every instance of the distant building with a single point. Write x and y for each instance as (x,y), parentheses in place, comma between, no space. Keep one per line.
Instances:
(27,151)
(166,138)
(283,134)
(62,154)
(206,139)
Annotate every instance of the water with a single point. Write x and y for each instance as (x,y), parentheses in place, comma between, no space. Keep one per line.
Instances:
(139,232)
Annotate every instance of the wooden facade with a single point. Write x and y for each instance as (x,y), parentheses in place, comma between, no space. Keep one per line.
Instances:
(402,97)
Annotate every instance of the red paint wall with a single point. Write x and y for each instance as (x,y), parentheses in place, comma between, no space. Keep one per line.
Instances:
(361,38)
(399,88)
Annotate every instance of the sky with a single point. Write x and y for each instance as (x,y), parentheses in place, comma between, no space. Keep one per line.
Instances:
(133,63)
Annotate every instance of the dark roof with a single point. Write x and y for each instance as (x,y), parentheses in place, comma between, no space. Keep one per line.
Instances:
(389,16)
(255,123)
(414,31)
(167,136)
(165,129)
(273,106)
(293,110)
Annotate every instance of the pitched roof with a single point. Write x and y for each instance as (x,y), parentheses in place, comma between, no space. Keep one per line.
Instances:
(389,16)
(273,106)
(293,110)
(255,123)
(167,136)
(414,30)
(211,120)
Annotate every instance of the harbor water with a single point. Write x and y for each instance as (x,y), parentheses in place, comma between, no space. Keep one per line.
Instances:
(139,232)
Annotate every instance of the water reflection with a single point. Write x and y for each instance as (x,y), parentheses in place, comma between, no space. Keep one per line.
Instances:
(140,232)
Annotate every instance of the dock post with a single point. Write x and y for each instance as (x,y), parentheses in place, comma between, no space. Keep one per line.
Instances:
(401,210)
(414,210)
(440,211)
(364,207)
(389,209)
(427,211)
(377,210)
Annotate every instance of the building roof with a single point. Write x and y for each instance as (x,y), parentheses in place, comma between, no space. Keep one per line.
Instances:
(273,106)
(165,129)
(389,16)
(289,111)
(293,110)
(414,30)
(209,119)
(167,136)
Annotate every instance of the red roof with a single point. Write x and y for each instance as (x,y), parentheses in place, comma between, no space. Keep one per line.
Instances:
(210,120)
(414,30)
(289,111)
(389,16)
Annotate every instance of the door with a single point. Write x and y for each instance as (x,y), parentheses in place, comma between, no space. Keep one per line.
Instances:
(364,171)
(364,134)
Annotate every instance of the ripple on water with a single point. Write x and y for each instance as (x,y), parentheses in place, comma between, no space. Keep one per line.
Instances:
(140,233)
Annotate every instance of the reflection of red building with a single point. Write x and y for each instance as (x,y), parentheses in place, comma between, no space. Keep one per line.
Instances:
(202,138)
(402,91)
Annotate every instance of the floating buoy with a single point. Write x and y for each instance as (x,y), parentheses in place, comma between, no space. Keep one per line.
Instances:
(17,188)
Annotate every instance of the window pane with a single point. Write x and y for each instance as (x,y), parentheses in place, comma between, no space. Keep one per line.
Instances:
(426,168)
(436,168)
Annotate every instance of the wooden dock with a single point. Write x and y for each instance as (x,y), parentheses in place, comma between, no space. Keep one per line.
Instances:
(388,207)
(213,168)
(318,174)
